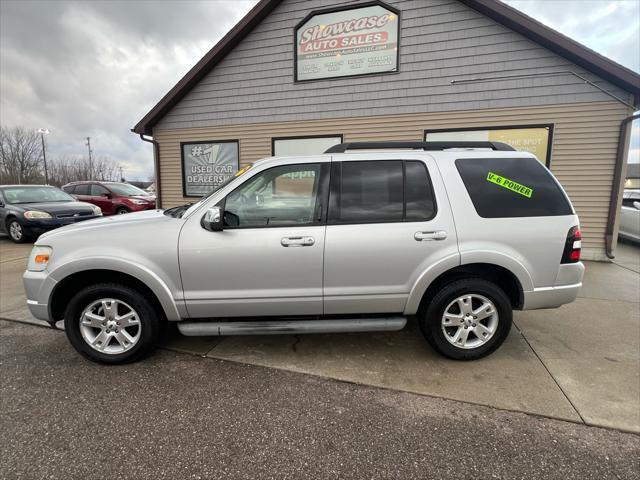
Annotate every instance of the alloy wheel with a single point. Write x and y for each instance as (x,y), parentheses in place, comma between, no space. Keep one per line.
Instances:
(469,321)
(15,230)
(110,326)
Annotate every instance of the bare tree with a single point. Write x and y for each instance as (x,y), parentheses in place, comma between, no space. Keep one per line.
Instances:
(67,169)
(20,156)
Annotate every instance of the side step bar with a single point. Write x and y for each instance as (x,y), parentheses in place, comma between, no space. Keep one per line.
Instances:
(277,327)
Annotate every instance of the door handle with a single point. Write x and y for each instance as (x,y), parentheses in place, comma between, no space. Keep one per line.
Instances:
(427,236)
(297,241)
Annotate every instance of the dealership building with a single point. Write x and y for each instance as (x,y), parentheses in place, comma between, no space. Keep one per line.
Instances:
(294,77)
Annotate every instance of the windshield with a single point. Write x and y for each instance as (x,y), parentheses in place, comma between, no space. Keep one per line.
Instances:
(35,195)
(126,189)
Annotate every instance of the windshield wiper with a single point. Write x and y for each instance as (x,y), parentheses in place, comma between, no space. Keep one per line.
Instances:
(178,211)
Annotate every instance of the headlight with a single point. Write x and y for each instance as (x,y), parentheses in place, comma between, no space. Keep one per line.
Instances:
(36,214)
(97,210)
(138,202)
(39,258)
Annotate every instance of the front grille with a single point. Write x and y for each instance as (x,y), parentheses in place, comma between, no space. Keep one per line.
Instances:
(73,215)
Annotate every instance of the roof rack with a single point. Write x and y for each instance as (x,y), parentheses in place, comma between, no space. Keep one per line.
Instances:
(427,146)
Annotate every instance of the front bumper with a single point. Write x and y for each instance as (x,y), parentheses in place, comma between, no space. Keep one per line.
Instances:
(42,225)
(134,207)
(38,287)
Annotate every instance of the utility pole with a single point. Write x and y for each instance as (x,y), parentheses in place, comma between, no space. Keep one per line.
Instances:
(90,166)
(43,132)
(121,177)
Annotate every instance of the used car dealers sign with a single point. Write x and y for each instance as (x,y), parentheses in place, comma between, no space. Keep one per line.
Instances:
(355,41)
(207,165)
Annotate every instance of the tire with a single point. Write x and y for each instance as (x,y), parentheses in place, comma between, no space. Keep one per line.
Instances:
(121,211)
(106,326)
(493,318)
(16,231)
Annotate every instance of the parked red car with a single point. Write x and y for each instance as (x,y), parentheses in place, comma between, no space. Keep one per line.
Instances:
(112,197)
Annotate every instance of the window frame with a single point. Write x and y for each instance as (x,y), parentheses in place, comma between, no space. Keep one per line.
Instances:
(321,205)
(336,186)
(304,137)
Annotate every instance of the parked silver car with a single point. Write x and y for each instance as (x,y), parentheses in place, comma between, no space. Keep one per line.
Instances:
(630,216)
(457,234)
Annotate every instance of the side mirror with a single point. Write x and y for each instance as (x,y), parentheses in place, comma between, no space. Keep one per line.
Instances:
(636,205)
(212,219)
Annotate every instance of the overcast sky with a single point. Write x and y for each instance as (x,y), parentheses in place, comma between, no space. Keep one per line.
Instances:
(95,68)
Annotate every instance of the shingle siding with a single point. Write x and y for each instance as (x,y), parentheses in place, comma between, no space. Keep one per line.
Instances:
(440,41)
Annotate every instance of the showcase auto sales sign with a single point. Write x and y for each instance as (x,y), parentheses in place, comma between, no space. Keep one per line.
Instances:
(349,42)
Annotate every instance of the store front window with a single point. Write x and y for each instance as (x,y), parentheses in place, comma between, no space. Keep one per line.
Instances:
(295,146)
(536,139)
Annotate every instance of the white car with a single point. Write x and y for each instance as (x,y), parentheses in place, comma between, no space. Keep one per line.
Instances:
(630,216)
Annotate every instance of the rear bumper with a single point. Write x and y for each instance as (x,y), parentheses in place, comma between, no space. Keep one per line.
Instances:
(550,297)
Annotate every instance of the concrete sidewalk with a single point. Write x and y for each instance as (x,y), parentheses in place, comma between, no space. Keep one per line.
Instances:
(580,362)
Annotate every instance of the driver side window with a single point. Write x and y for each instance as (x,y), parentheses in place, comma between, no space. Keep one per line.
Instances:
(279,196)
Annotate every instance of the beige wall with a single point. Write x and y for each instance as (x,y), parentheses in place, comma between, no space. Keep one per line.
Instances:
(583,155)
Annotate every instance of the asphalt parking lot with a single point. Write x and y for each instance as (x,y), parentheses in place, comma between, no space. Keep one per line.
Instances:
(179,416)
(272,405)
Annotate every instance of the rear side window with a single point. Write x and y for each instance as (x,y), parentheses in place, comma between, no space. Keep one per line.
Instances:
(380,191)
(371,191)
(418,192)
(82,189)
(512,187)
(98,190)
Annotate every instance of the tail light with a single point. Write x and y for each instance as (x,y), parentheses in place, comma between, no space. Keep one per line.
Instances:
(572,247)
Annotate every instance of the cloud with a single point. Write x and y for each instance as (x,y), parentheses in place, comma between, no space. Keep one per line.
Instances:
(95,68)
(610,27)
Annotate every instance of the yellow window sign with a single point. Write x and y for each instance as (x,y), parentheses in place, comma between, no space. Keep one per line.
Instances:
(509,184)
(533,140)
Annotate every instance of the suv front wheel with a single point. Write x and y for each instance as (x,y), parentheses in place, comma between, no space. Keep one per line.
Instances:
(467,319)
(111,323)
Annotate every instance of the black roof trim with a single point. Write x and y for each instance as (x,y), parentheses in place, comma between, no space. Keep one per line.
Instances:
(426,146)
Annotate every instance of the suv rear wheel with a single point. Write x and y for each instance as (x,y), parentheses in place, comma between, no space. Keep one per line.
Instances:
(467,319)
(111,323)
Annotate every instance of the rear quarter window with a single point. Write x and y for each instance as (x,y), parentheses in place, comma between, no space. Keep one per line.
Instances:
(512,187)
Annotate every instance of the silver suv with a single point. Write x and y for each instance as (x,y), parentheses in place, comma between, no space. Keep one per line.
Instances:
(357,239)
